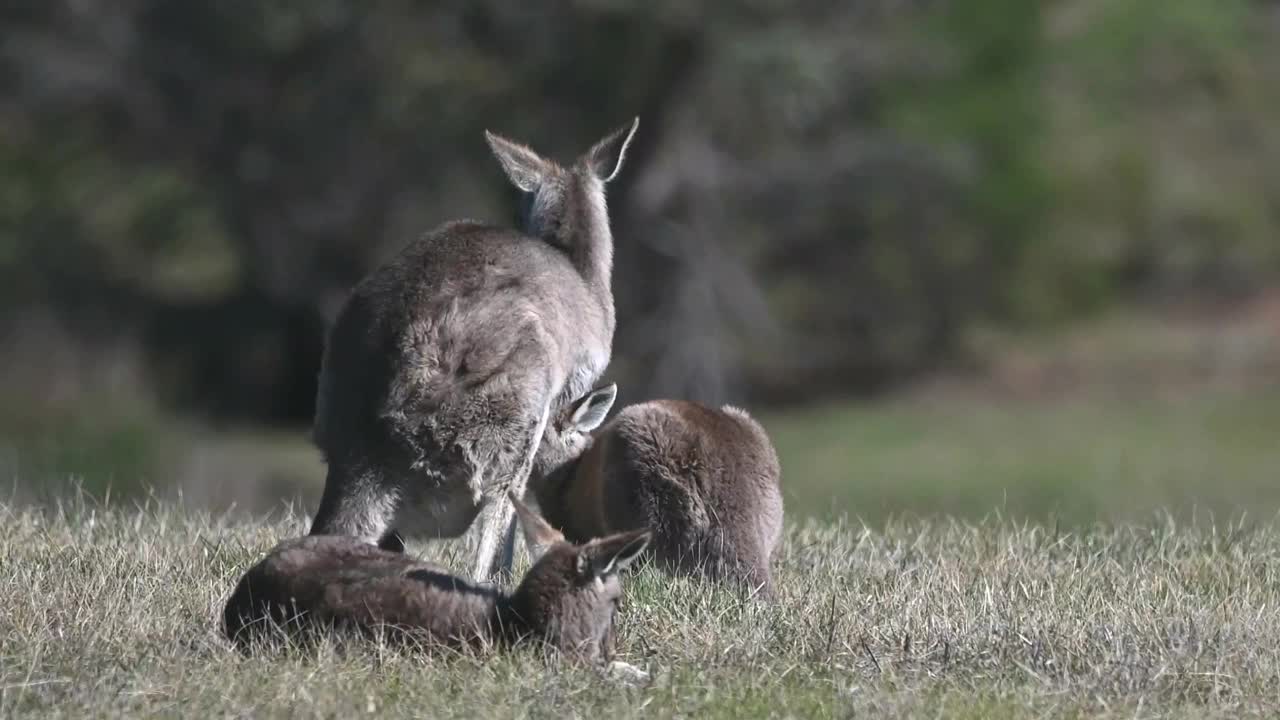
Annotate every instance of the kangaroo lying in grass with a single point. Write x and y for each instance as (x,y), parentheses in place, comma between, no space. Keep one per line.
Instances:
(704,480)
(567,599)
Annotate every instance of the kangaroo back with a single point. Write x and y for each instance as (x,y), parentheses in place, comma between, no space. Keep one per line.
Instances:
(704,480)
(326,583)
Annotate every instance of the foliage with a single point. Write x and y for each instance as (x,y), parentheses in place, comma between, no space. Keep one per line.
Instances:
(824,195)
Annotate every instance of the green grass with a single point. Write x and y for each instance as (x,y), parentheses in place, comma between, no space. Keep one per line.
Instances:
(1133,412)
(113,612)
(1074,460)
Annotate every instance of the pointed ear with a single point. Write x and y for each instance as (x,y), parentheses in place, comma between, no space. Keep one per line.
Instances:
(591,409)
(538,535)
(524,167)
(605,157)
(611,554)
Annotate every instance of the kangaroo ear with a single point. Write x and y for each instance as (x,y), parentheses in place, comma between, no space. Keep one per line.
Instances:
(591,409)
(538,535)
(605,157)
(524,167)
(611,554)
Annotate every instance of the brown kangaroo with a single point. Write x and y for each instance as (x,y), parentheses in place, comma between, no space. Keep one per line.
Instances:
(705,481)
(443,366)
(567,599)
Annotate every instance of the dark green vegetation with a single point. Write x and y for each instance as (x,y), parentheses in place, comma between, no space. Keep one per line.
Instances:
(112,612)
(823,196)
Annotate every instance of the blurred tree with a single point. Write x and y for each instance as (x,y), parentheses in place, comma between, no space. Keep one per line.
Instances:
(824,195)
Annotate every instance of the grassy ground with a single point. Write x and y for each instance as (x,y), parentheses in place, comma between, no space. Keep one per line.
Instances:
(1075,460)
(947,603)
(113,613)
(1131,414)
(1086,456)
(1134,413)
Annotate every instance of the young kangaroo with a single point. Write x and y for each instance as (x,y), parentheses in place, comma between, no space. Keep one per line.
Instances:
(443,366)
(568,598)
(705,481)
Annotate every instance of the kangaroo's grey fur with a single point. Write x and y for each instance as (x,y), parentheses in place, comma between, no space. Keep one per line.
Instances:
(705,481)
(568,598)
(443,366)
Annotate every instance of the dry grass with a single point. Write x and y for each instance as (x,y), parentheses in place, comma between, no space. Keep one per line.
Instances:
(113,612)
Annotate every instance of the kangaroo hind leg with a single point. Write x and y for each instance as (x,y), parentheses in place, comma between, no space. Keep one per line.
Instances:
(357,504)
(495,524)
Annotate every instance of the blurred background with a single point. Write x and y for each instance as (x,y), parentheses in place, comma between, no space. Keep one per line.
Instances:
(960,256)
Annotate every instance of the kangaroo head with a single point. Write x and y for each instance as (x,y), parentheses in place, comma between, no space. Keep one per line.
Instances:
(571,593)
(557,201)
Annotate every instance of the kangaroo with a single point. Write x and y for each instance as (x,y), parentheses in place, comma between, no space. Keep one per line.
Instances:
(443,366)
(705,481)
(567,599)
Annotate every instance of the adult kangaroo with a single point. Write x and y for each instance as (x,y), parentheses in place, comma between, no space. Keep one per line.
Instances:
(443,366)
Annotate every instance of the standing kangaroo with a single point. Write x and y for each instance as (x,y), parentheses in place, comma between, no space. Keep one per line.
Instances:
(705,481)
(568,598)
(443,366)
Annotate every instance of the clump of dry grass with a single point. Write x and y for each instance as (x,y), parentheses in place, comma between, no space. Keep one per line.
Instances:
(114,612)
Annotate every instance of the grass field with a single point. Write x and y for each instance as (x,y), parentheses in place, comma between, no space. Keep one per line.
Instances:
(1089,528)
(113,613)
(1131,414)
(1075,460)
(1115,420)
(1087,458)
